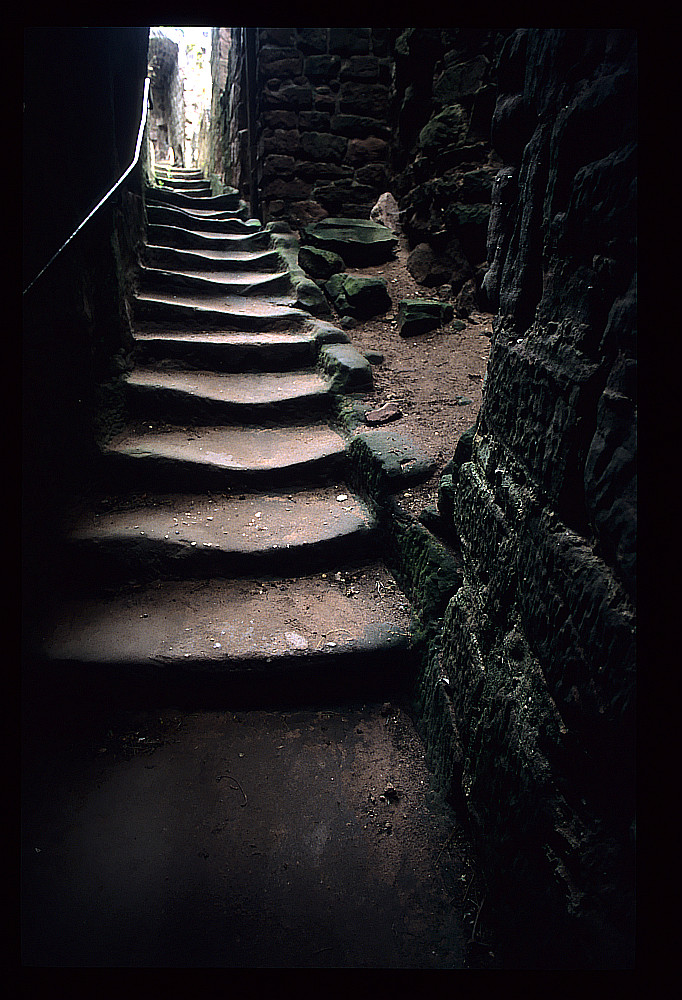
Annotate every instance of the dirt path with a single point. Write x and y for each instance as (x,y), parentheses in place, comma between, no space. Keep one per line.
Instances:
(424,375)
(296,839)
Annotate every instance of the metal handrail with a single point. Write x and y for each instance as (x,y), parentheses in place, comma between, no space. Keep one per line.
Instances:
(138,146)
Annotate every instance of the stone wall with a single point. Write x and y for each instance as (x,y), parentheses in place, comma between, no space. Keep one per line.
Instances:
(76,322)
(534,679)
(323,114)
(167,116)
(229,161)
(443,165)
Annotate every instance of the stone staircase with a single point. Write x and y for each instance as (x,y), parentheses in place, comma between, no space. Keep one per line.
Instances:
(229,560)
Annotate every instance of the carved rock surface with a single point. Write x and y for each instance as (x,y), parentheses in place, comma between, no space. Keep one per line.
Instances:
(539,643)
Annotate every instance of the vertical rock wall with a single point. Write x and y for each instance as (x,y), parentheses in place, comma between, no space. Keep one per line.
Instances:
(536,671)
(167,120)
(443,164)
(229,150)
(76,321)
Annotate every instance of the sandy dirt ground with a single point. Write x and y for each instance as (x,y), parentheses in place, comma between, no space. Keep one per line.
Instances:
(427,376)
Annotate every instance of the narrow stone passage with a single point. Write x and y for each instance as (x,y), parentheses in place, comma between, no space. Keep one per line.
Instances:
(226,569)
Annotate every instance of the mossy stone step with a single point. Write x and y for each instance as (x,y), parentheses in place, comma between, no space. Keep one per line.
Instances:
(359,242)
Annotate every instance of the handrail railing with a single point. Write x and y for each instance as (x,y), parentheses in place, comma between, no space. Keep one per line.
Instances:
(109,193)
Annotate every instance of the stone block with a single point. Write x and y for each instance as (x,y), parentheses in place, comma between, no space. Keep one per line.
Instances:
(417,316)
(314,170)
(359,127)
(446,129)
(290,96)
(282,142)
(369,100)
(375,175)
(363,68)
(349,41)
(277,166)
(463,79)
(359,242)
(279,62)
(323,146)
(320,263)
(322,67)
(370,150)
(314,121)
(280,120)
(313,40)
(358,296)
(348,369)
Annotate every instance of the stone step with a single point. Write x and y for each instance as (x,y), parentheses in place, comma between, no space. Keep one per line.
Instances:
(225,311)
(203,396)
(214,283)
(173,259)
(199,458)
(198,212)
(190,184)
(192,173)
(186,239)
(166,215)
(228,200)
(228,352)
(223,641)
(189,536)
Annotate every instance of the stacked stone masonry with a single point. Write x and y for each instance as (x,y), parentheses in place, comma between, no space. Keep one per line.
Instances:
(324,110)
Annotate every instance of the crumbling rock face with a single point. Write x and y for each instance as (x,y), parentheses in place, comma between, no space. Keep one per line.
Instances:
(445,82)
(538,645)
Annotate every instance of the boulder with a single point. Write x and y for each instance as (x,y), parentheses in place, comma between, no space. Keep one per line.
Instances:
(320,263)
(421,315)
(358,296)
(359,242)
(386,212)
(426,268)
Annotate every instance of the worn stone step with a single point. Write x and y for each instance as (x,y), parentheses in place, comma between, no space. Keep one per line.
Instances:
(198,211)
(228,200)
(189,536)
(191,184)
(166,215)
(189,239)
(226,640)
(226,457)
(193,173)
(205,396)
(227,311)
(171,258)
(215,283)
(228,352)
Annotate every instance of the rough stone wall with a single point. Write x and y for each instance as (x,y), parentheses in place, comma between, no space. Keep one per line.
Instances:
(535,675)
(76,322)
(229,151)
(167,131)
(323,110)
(443,165)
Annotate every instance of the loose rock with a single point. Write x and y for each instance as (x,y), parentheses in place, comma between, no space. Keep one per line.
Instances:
(421,315)
(383,414)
